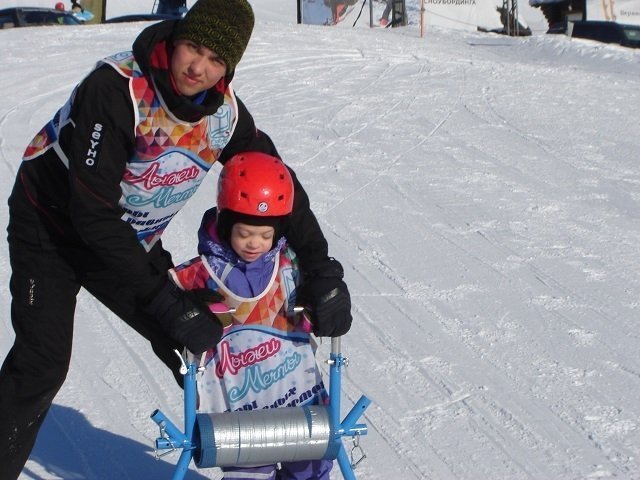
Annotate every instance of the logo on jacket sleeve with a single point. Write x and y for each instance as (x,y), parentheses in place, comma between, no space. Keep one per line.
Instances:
(95,143)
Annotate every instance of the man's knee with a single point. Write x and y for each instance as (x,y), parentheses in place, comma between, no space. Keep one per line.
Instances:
(26,375)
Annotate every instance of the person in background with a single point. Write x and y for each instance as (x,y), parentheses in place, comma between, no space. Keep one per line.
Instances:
(245,258)
(76,7)
(384,19)
(98,186)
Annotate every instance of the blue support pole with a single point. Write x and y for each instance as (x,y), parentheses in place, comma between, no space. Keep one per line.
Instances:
(190,396)
(175,439)
(345,464)
(348,427)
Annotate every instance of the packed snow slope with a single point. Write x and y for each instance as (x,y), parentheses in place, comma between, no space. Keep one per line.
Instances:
(483,194)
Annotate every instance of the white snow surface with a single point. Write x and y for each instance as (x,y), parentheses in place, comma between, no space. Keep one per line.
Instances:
(483,194)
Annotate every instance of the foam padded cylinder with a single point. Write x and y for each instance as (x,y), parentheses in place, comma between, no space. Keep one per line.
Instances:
(262,437)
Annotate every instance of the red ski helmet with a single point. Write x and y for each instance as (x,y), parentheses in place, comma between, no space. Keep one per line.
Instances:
(256,184)
(59,6)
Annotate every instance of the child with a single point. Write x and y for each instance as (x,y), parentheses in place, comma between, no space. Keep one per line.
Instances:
(265,358)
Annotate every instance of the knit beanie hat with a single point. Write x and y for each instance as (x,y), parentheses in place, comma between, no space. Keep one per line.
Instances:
(223,26)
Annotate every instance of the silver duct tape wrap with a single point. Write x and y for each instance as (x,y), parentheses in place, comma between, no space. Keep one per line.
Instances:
(261,437)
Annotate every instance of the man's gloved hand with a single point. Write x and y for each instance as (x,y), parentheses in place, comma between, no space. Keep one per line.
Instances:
(327,297)
(207,296)
(185,318)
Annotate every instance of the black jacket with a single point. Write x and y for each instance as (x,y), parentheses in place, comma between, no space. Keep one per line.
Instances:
(78,205)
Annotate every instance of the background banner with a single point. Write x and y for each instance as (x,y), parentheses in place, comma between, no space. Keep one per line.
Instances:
(621,11)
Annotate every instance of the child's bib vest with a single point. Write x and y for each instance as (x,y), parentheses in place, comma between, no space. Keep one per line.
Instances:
(171,156)
(266,358)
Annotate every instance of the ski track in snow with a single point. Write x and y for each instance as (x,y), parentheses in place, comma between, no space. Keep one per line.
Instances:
(493,423)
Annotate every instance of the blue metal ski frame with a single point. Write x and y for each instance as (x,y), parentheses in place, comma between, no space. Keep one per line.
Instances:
(172,439)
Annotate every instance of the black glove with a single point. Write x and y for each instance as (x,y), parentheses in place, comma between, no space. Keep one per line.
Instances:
(207,295)
(185,318)
(326,295)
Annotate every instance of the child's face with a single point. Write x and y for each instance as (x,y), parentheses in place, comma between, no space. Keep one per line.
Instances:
(250,241)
